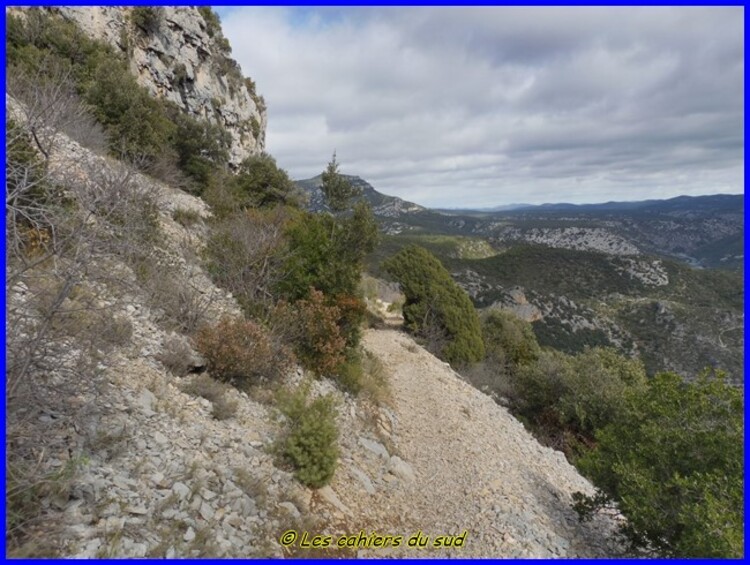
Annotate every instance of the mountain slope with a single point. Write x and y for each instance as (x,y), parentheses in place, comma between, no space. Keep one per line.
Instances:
(158,475)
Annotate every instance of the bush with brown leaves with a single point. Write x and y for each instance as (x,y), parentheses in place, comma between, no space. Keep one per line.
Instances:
(242,352)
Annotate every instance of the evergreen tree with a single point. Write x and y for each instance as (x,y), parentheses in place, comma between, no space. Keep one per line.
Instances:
(436,308)
(337,189)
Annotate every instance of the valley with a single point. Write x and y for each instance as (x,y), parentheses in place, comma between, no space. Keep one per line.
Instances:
(661,279)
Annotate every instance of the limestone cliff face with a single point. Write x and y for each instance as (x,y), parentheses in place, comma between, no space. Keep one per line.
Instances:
(181,55)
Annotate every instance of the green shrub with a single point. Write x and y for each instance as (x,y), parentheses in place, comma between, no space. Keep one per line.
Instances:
(241,352)
(436,308)
(327,252)
(137,123)
(255,127)
(260,182)
(310,443)
(202,148)
(350,374)
(362,374)
(596,386)
(539,386)
(213,23)
(508,340)
(673,463)
(579,394)
(337,189)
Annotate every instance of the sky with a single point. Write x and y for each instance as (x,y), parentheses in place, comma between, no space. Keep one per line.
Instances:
(478,107)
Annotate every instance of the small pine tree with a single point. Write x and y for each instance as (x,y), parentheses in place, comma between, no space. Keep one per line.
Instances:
(337,189)
(310,445)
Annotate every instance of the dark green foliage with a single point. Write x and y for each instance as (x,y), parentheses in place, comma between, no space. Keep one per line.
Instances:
(255,127)
(599,380)
(337,189)
(310,444)
(436,306)
(260,182)
(552,332)
(327,253)
(508,340)
(581,393)
(136,122)
(673,463)
(147,18)
(201,147)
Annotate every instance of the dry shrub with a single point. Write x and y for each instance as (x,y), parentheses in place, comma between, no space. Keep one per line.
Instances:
(164,168)
(312,327)
(184,306)
(375,382)
(185,217)
(244,256)
(52,105)
(28,489)
(214,391)
(176,355)
(352,316)
(242,352)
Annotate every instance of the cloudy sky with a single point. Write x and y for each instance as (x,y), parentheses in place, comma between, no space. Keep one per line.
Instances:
(459,107)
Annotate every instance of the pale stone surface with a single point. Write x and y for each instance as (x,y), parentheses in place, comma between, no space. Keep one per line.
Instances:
(181,40)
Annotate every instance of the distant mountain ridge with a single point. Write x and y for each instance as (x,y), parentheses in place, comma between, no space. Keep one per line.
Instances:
(677,202)
(703,231)
(382,204)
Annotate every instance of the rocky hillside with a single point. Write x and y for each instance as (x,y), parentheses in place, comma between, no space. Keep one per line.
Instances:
(180,54)
(389,210)
(144,462)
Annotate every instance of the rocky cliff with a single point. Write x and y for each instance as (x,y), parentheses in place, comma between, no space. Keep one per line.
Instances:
(181,55)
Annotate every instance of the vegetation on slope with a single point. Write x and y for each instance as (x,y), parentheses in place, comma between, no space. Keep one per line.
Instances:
(436,308)
(664,452)
(672,461)
(668,453)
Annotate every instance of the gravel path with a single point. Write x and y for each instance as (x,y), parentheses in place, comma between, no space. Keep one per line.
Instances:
(475,468)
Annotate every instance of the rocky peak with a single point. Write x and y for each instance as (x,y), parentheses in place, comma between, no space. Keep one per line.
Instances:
(180,54)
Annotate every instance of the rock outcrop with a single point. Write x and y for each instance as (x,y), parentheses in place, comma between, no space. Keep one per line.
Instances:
(182,56)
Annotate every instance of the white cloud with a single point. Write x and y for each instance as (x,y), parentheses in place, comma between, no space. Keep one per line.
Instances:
(485,106)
